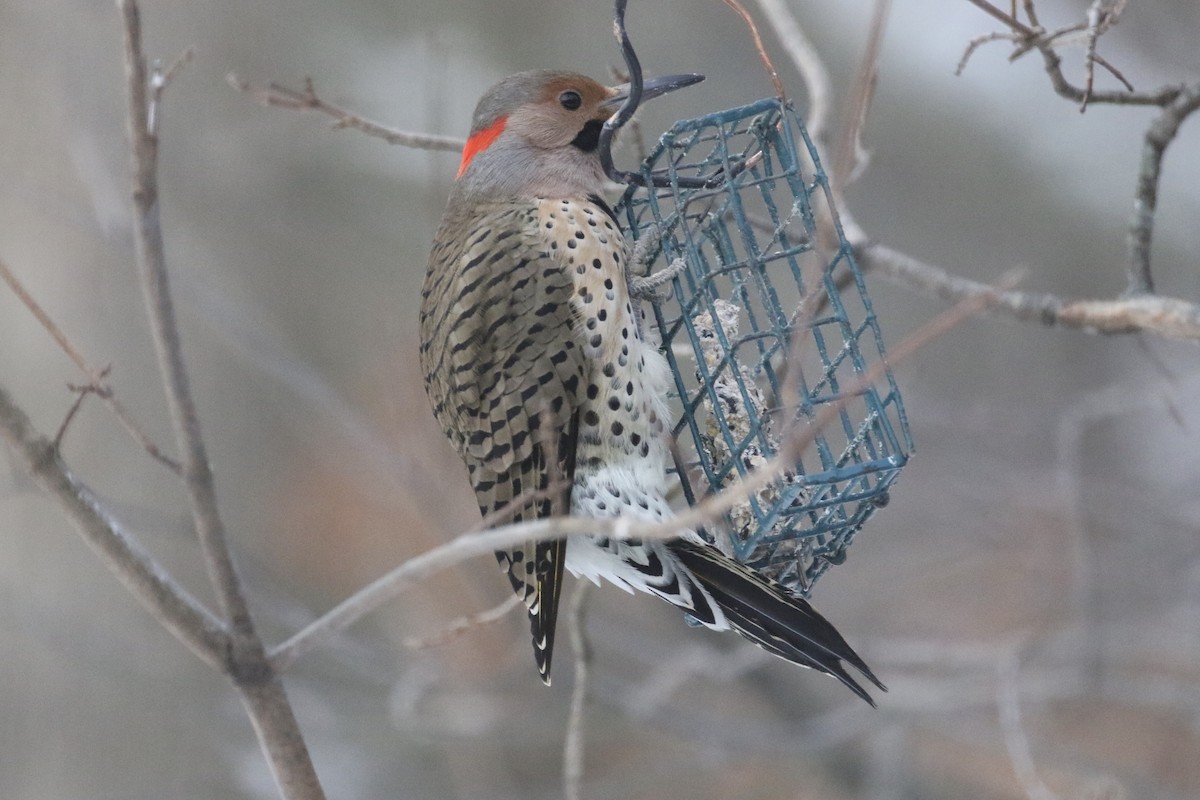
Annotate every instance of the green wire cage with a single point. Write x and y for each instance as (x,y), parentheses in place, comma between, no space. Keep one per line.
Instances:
(769,334)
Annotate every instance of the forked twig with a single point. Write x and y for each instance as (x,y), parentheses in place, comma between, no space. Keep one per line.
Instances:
(1102,15)
(95,384)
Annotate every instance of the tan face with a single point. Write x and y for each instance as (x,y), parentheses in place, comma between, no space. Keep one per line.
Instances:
(569,109)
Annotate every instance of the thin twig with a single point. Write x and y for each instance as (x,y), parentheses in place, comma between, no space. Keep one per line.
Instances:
(1008,19)
(850,157)
(768,65)
(1101,15)
(807,62)
(1089,59)
(383,589)
(159,81)
(95,377)
(461,625)
(35,308)
(464,546)
(1030,11)
(976,43)
(573,743)
(1162,132)
(183,615)
(81,393)
(1116,73)
(307,100)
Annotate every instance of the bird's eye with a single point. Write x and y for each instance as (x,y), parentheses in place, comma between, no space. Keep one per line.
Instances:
(570,100)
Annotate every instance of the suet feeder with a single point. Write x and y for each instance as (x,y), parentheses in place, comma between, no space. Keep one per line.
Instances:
(769,334)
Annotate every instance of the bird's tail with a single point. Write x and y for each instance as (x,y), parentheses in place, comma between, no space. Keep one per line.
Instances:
(772,617)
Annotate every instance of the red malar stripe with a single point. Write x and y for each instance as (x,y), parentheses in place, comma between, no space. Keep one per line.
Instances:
(480,142)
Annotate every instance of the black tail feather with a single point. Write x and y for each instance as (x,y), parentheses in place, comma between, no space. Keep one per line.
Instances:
(766,613)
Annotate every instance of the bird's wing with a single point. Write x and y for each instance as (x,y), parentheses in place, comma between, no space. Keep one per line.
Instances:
(503,370)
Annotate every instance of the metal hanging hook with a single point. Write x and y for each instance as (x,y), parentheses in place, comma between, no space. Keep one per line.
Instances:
(625,112)
(632,100)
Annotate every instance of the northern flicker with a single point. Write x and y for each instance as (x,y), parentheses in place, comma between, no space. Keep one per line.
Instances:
(538,368)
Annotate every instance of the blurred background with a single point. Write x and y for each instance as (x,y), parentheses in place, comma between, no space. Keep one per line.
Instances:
(1031,595)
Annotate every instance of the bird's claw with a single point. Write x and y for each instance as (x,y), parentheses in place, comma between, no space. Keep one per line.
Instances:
(646,288)
(645,250)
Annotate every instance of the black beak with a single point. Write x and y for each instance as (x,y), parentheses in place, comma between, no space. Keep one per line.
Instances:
(652,87)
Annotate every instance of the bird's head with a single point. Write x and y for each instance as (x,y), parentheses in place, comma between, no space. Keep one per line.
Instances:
(537,133)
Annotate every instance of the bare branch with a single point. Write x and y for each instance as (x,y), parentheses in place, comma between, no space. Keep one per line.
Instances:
(184,616)
(307,100)
(1064,88)
(1160,134)
(1138,311)
(1165,316)
(278,732)
(260,689)
(807,62)
(1178,103)
(95,377)
(1034,37)
(152,268)
(573,742)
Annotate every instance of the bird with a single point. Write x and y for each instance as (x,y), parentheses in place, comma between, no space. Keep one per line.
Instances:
(544,379)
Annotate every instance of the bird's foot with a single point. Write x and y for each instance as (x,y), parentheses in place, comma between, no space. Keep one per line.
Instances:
(646,288)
